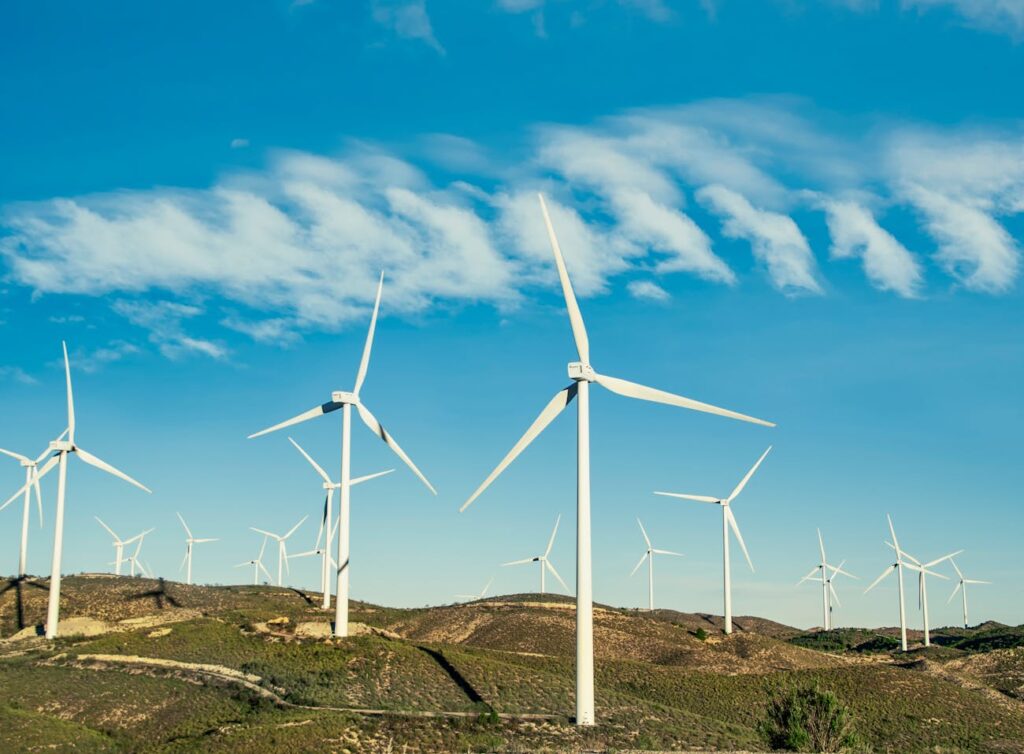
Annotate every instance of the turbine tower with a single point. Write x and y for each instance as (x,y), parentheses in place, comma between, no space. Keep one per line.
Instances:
(61,449)
(282,549)
(325,522)
(257,565)
(582,374)
(31,466)
(649,554)
(827,590)
(345,400)
(476,597)
(133,559)
(961,587)
(189,541)
(922,587)
(545,564)
(118,546)
(728,521)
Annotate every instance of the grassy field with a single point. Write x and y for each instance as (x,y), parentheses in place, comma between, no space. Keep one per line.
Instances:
(495,675)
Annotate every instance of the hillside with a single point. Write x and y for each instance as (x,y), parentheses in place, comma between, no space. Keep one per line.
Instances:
(252,669)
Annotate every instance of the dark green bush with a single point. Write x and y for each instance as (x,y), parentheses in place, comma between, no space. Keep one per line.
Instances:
(808,719)
(701,634)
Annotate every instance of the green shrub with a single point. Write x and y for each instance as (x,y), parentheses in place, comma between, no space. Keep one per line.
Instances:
(808,719)
(701,634)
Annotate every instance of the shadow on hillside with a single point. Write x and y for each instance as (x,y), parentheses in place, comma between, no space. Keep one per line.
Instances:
(18,584)
(159,595)
(308,600)
(454,674)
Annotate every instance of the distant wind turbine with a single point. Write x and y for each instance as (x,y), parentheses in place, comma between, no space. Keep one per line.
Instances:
(922,587)
(321,551)
(345,400)
(582,374)
(827,590)
(62,449)
(325,522)
(31,466)
(257,565)
(649,554)
(728,521)
(118,545)
(189,541)
(476,597)
(282,550)
(961,587)
(545,563)
(133,559)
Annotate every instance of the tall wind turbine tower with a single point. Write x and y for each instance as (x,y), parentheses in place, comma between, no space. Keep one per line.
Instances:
(582,375)
(961,586)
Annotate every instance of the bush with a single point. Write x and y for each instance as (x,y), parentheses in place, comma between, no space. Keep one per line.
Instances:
(808,719)
(701,634)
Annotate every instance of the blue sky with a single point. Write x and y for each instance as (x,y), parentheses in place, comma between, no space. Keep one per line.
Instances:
(807,211)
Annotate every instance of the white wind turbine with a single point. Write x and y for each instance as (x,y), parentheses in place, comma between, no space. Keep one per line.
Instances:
(325,522)
(545,564)
(476,597)
(345,400)
(189,541)
(728,521)
(62,449)
(898,567)
(321,551)
(282,550)
(582,374)
(649,554)
(133,559)
(257,565)
(961,587)
(922,587)
(118,545)
(827,590)
(31,466)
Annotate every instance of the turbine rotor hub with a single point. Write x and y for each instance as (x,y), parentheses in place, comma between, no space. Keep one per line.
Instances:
(581,372)
(343,396)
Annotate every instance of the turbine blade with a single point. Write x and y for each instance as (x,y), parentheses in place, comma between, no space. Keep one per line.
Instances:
(109,530)
(371,421)
(668,552)
(956,589)
(812,572)
(17,456)
(264,533)
(519,562)
(739,537)
(551,542)
(207,539)
(39,493)
(368,477)
(364,363)
(956,568)
(323,520)
(325,408)
(314,464)
(976,581)
(644,393)
(187,530)
(547,564)
(639,563)
(46,452)
(71,397)
(247,563)
(835,596)
(102,465)
(579,331)
(263,548)
(644,532)
(292,530)
(488,586)
(944,557)
(554,407)
(743,482)
(821,546)
(698,498)
(888,569)
(263,568)
(41,473)
(892,530)
(183,560)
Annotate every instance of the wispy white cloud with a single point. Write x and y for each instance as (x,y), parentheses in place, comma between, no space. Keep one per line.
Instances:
(17,374)
(1003,16)
(647,289)
(91,361)
(239,143)
(164,321)
(408,19)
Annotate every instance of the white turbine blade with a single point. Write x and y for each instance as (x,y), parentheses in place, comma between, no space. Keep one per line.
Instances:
(888,569)
(488,586)
(306,554)
(956,589)
(371,421)
(698,498)
(71,397)
(314,464)
(292,530)
(520,562)
(639,563)
(102,465)
(956,568)
(323,520)
(183,560)
(936,574)
(368,477)
(812,572)
(551,542)
(263,549)
(547,564)
(39,493)
(835,596)
(839,569)
(944,557)
(668,552)
(265,534)
(903,554)
(187,530)
(554,407)
(743,482)
(207,539)
(284,554)
(892,530)
(364,363)
(40,474)
(644,532)
(644,393)
(109,530)
(246,563)
(17,456)
(46,452)
(325,408)
(739,537)
(264,569)
(821,546)
(579,331)
(976,581)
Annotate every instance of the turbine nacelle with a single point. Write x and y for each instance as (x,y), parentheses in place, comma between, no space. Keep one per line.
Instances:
(62,446)
(581,372)
(343,396)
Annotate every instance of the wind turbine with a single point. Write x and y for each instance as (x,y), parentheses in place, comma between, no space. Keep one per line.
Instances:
(649,554)
(118,545)
(545,564)
(582,374)
(898,567)
(827,590)
(31,466)
(728,521)
(345,400)
(476,597)
(257,565)
(62,449)
(922,587)
(133,559)
(325,522)
(189,541)
(961,587)
(323,551)
(282,550)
